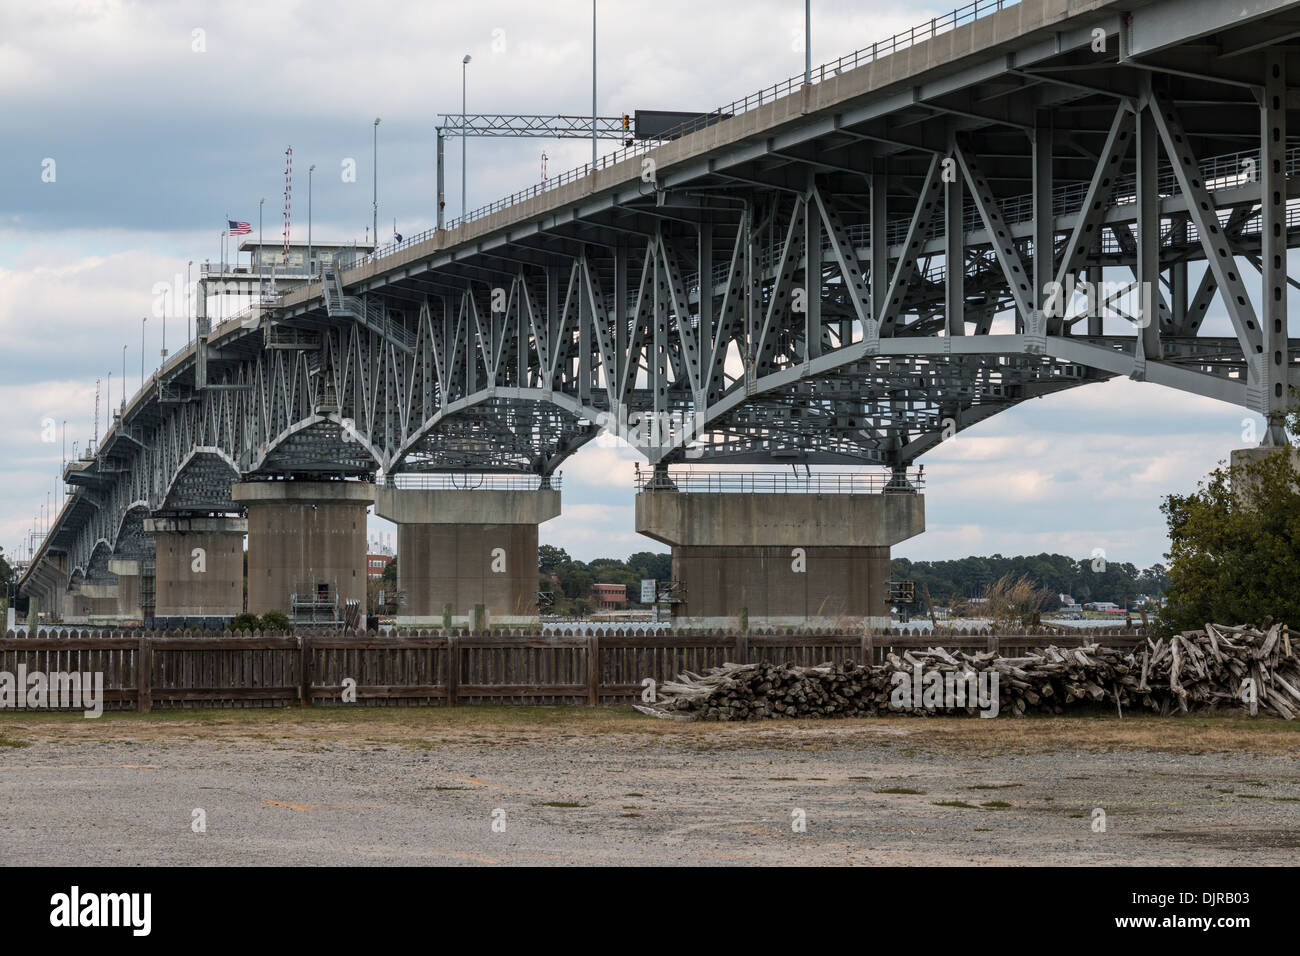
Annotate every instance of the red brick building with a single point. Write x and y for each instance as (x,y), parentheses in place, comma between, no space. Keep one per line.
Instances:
(608,597)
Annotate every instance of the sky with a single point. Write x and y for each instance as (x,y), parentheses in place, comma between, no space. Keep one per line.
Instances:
(131,130)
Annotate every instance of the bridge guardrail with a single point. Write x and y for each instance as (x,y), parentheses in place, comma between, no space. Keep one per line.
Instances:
(469,481)
(772,482)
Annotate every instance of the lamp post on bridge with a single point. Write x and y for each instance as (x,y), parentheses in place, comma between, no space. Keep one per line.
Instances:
(807,42)
(261,202)
(311,169)
(189,295)
(464,65)
(110,397)
(374,202)
(143,321)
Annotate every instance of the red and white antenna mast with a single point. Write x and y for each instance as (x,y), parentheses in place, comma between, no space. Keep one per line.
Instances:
(288,196)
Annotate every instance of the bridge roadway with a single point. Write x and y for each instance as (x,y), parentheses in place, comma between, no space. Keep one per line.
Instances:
(825,223)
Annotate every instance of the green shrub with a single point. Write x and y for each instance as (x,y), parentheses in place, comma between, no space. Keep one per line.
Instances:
(245,622)
(276,621)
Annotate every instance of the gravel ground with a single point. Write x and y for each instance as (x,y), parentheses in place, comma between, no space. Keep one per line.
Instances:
(611,787)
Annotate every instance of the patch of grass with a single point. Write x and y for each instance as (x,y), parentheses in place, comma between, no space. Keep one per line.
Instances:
(629,815)
(996,805)
(994,786)
(1251,796)
(12,742)
(452,788)
(559,803)
(1287,799)
(634,794)
(900,790)
(955,803)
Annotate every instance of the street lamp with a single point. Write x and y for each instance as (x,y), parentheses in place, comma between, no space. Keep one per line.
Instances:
(189,295)
(807,41)
(374,203)
(311,169)
(463,65)
(110,394)
(261,202)
(221,278)
(142,325)
(593,85)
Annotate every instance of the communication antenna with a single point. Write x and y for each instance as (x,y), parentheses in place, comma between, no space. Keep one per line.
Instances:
(288,196)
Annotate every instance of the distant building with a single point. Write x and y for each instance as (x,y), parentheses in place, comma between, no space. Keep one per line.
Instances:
(609,596)
(1102,606)
(375,565)
(1065,599)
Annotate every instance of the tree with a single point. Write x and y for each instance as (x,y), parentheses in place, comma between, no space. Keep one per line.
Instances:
(550,558)
(1235,547)
(651,564)
(389,577)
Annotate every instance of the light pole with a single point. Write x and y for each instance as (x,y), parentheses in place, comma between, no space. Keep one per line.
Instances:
(261,202)
(311,169)
(189,295)
(593,85)
(110,394)
(221,278)
(374,204)
(807,41)
(464,64)
(142,324)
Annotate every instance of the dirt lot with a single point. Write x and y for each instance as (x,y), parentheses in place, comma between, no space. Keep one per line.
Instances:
(609,786)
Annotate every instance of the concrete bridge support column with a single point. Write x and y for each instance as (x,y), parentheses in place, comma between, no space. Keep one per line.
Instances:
(466,548)
(128,588)
(47,592)
(308,538)
(95,602)
(199,577)
(810,560)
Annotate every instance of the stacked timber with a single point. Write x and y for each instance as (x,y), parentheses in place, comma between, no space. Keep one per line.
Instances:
(1256,669)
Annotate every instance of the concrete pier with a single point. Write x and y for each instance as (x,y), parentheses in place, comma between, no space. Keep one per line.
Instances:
(796,559)
(306,538)
(128,589)
(199,577)
(467,548)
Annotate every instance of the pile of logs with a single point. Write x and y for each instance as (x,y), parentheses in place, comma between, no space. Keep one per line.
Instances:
(1255,669)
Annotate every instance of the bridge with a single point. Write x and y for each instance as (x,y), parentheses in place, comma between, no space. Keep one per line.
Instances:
(842,272)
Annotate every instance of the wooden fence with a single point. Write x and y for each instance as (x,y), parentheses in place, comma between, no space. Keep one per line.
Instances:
(154,670)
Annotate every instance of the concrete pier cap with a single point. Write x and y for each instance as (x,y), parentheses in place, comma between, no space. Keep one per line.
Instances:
(817,555)
(460,549)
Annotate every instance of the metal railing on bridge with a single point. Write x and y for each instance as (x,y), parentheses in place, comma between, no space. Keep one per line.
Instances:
(469,481)
(775,482)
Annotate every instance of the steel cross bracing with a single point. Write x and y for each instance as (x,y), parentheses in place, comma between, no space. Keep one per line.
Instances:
(875,277)
(554,126)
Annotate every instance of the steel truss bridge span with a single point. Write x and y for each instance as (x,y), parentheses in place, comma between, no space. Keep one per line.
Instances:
(846,275)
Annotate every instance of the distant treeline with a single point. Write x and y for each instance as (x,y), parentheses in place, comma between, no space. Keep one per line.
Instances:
(1084,579)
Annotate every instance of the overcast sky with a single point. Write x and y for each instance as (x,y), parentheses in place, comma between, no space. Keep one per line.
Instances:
(162,118)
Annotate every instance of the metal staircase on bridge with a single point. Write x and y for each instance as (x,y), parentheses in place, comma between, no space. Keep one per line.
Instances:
(368,313)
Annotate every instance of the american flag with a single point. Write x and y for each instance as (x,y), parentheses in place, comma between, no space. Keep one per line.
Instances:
(239,228)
